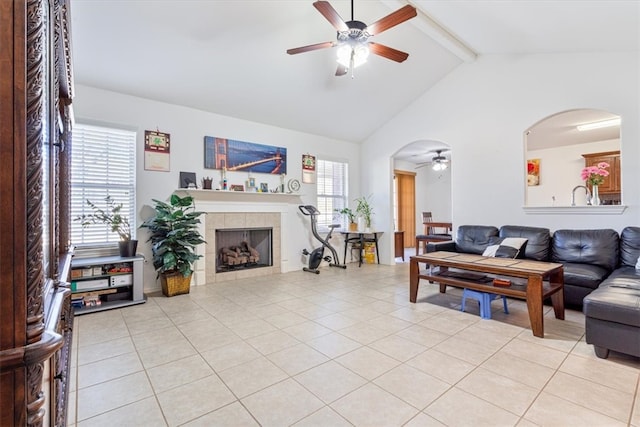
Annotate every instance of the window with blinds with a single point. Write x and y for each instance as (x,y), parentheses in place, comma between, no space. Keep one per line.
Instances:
(332,192)
(103,163)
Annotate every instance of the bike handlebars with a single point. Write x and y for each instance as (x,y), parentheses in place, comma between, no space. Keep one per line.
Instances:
(309,210)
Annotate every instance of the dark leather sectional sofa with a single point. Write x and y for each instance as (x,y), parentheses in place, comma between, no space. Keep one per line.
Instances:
(599,274)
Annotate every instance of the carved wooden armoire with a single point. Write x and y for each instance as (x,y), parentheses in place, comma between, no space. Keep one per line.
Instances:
(36,88)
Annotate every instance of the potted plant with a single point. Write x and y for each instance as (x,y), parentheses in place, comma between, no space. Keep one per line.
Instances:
(353,225)
(364,209)
(112,216)
(174,236)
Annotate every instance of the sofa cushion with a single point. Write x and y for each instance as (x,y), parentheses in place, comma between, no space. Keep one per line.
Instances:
(538,240)
(584,275)
(617,299)
(629,246)
(474,239)
(508,247)
(594,247)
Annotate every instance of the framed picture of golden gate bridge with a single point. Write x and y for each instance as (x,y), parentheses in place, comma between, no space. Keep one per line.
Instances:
(233,155)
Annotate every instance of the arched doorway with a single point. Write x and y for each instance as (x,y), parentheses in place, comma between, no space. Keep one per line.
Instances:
(422,183)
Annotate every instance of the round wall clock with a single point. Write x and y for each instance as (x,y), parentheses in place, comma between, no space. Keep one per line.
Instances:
(294,185)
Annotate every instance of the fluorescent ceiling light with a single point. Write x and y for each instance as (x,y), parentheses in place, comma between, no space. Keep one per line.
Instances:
(598,125)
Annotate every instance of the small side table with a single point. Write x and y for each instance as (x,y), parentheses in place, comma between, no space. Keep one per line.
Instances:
(361,237)
(399,244)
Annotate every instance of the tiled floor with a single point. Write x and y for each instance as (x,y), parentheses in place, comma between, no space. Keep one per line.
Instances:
(341,348)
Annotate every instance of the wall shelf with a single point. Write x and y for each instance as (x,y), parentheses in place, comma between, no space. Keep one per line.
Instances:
(575,210)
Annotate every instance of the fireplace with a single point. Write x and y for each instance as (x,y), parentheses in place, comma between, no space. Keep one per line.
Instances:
(237,221)
(243,248)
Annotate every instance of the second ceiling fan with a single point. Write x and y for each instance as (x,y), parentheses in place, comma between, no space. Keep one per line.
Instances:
(353,37)
(438,162)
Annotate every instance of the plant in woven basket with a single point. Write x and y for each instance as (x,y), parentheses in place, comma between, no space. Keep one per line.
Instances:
(174,236)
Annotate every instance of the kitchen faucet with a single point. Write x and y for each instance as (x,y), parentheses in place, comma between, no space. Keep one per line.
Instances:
(573,195)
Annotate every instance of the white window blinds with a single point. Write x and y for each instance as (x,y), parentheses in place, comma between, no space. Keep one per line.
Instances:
(103,163)
(332,185)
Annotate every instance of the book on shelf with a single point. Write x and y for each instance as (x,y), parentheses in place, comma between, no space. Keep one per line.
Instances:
(95,293)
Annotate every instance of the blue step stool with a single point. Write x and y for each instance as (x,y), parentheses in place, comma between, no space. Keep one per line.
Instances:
(484,299)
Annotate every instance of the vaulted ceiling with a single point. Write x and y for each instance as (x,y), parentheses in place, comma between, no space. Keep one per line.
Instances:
(229,57)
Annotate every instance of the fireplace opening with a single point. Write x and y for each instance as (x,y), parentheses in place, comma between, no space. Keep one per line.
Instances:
(243,248)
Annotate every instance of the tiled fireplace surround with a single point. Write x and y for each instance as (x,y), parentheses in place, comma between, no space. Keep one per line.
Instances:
(232,210)
(215,221)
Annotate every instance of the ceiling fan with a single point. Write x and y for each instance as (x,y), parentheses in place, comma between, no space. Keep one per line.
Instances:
(353,37)
(438,162)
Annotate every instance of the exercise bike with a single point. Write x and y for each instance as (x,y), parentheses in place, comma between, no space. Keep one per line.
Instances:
(317,255)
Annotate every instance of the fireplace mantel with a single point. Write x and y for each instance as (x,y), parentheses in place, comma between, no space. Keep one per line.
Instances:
(239,196)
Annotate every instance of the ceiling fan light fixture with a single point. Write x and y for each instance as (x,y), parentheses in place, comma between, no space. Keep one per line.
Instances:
(352,37)
(439,166)
(352,55)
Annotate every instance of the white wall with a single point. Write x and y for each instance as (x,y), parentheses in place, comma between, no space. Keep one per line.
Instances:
(560,169)
(481,111)
(187,128)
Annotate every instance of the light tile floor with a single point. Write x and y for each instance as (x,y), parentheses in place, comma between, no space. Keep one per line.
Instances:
(341,348)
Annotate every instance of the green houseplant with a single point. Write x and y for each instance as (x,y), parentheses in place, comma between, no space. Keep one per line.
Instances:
(112,216)
(364,209)
(174,236)
(351,215)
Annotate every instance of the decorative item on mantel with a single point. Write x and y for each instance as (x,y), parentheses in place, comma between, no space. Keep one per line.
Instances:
(224,178)
(282,177)
(188,180)
(206,183)
(594,176)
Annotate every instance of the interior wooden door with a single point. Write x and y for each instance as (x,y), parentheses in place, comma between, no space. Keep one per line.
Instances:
(406,194)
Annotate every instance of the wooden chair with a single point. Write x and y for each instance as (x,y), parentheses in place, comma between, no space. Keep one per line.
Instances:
(433,232)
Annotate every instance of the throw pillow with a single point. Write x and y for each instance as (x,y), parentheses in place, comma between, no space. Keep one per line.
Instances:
(509,247)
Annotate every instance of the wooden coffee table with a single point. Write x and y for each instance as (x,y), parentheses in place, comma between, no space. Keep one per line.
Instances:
(542,279)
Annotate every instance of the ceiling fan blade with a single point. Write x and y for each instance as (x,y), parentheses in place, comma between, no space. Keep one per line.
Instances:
(398,17)
(388,52)
(341,70)
(325,8)
(310,47)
